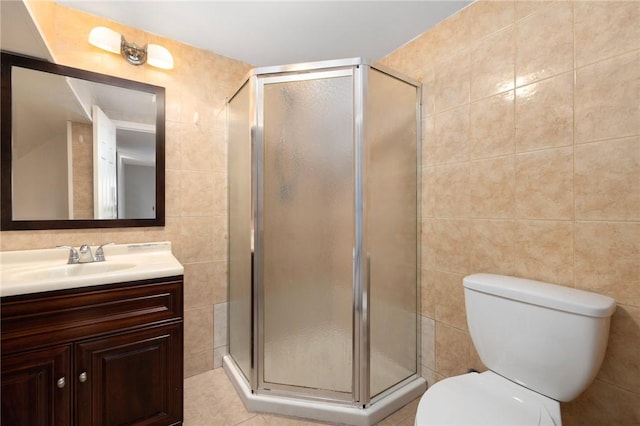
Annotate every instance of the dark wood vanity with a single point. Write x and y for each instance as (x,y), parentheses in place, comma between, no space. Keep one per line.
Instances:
(94,356)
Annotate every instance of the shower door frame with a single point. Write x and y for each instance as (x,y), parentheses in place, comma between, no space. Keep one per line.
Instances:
(360,391)
(329,69)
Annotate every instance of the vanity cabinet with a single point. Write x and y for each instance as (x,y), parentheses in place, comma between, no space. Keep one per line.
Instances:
(30,394)
(102,355)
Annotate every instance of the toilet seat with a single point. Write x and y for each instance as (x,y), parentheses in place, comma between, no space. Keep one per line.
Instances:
(485,399)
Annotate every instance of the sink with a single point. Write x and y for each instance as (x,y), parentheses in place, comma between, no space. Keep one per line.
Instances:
(75,270)
(31,271)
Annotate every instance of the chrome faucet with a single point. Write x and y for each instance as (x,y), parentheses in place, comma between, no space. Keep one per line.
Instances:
(84,255)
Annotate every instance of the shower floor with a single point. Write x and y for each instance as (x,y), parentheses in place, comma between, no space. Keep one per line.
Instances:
(325,367)
(210,399)
(320,357)
(327,412)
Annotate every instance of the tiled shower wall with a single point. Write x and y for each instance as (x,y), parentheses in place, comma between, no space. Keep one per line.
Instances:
(531,167)
(196,211)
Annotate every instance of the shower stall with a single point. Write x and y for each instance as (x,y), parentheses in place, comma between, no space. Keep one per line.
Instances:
(323,241)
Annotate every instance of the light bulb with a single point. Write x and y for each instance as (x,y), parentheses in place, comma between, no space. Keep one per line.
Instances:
(159,57)
(106,39)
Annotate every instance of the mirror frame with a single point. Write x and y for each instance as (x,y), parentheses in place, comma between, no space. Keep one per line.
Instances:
(7,223)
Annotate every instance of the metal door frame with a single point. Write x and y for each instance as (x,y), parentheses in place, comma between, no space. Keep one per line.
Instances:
(258,199)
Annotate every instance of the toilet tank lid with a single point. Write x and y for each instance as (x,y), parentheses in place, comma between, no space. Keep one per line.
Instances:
(553,296)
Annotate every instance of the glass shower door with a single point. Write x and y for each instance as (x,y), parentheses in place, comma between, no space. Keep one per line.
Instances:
(240,225)
(391,172)
(307,232)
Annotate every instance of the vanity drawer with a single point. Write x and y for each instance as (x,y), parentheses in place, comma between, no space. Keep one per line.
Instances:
(56,317)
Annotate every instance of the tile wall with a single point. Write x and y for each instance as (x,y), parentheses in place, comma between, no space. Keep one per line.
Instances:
(531,167)
(82,155)
(196,208)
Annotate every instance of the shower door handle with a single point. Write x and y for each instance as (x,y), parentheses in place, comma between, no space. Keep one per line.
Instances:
(365,366)
(367,286)
(368,271)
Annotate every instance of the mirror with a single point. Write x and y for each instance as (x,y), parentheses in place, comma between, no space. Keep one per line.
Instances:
(79,149)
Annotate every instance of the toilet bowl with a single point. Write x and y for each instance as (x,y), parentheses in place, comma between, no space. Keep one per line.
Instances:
(542,344)
(485,399)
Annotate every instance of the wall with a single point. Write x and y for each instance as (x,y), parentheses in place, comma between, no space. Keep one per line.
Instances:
(40,179)
(195,163)
(138,201)
(531,167)
(82,157)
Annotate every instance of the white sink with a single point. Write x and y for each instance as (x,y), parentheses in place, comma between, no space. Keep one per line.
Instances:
(32,271)
(77,270)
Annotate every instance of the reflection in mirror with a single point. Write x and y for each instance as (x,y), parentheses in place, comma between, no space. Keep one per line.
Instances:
(85,149)
(86,133)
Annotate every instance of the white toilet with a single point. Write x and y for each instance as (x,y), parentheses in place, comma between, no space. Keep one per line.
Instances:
(542,343)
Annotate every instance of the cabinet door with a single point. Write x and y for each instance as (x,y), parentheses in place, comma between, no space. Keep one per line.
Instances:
(36,390)
(130,378)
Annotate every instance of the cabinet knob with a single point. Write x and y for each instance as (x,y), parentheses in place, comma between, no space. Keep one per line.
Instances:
(83,377)
(61,382)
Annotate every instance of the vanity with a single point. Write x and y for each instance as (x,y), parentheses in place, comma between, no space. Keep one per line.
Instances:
(84,340)
(96,343)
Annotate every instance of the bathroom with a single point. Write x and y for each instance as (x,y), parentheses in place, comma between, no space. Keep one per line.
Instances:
(530,167)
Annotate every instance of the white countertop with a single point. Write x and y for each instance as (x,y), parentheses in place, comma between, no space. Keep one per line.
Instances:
(33,271)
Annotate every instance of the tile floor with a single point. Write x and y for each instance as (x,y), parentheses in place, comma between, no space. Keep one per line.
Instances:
(211,400)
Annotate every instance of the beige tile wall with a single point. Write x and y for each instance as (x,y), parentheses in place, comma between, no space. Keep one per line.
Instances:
(196,163)
(531,167)
(82,155)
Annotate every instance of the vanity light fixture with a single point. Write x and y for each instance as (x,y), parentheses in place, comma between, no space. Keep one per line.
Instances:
(110,40)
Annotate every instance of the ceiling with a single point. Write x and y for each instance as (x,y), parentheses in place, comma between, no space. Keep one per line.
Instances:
(18,32)
(265,33)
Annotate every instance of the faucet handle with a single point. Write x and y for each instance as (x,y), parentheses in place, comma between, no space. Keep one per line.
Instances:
(74,257)
(100,253)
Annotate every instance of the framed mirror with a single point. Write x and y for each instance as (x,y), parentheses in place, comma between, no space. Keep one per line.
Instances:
(79,149)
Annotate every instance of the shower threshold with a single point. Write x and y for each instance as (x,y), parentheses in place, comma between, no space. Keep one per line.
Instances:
(324,411)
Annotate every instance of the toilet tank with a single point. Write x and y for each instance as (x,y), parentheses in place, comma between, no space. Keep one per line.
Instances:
(545,337)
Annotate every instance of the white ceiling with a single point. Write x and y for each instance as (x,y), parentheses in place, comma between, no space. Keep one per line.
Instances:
(266,33)
(18,32)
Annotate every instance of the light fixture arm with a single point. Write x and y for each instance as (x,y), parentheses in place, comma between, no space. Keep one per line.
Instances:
(133,53)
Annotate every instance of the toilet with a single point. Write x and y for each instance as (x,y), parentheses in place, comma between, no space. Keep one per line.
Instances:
(542,343)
